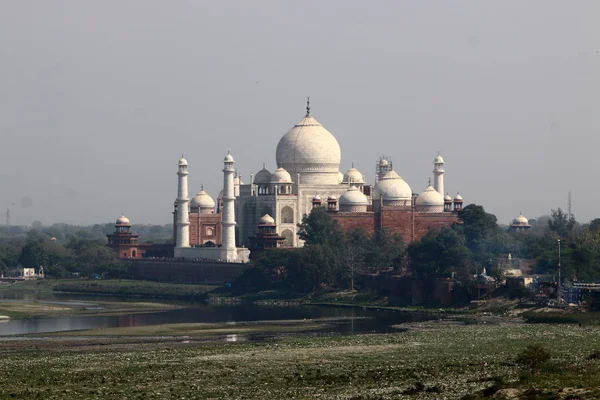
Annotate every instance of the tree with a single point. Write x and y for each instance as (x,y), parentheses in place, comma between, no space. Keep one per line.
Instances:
(440,252)
(561,223)
(386,251)
(319,228)
(477,224)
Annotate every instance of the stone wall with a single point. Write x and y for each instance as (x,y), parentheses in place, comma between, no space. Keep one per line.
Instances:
(349,221)
(181,271)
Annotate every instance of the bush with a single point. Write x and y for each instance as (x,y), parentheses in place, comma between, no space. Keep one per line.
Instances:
(533,357)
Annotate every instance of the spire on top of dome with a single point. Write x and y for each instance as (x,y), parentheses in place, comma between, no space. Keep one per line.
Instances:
(308,106)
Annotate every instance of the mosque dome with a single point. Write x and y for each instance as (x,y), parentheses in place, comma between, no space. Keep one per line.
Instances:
(316,198)
(332,198)
(263,176)
(182,161)
(394,189)
(353,196)
(438,160)
(202,200)
(430,200)
(458,198)
(310,150)
(447,198)
(228,158)
(281,176)
(520,221)
(383,162)
(353,176)
(266,220)
(122,220)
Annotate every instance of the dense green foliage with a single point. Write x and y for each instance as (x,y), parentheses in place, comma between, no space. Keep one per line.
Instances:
(332,258)
(64,250)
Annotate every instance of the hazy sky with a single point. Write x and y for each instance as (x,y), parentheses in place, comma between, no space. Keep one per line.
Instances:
(98,99)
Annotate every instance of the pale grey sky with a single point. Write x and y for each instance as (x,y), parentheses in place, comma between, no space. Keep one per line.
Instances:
(99,99)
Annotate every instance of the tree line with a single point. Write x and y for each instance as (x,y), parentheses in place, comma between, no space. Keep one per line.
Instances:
(332,258)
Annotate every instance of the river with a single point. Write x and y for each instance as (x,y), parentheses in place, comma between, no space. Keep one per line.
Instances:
(340,320)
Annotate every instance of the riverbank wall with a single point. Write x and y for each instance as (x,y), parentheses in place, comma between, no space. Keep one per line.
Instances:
(187,271)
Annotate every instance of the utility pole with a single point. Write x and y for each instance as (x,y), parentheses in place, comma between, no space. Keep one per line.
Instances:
(558,289)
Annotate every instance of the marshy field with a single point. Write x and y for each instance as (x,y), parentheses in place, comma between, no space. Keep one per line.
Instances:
(424,360)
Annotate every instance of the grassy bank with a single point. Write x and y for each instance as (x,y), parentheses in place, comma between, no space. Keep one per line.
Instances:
(21,309)
(118,288)
(430,361)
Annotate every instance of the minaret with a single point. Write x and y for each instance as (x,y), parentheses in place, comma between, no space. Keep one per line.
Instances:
(438,174)
(228,218)
(183,217)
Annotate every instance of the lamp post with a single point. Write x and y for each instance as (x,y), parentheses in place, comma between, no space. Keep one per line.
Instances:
(559,294)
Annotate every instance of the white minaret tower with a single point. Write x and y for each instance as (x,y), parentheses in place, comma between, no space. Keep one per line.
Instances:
(438,174)
(228,218)
(183,216)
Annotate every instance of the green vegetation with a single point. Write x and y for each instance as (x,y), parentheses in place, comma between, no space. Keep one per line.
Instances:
(134,288)
(20,309)
(431,360)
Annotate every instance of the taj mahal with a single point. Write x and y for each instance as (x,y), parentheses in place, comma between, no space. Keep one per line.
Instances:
(308,175)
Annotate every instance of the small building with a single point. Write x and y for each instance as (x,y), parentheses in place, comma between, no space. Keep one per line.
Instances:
(124,242)
(266,236)
(520,224)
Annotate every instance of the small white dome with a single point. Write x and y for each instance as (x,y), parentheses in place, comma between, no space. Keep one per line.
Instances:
(393,188)
(281,176)
(266,220)
(429,197)
(263,176)
(520,221)
(353,176)
(458,197)
(383,162)
(438,160)
(122,220)
(447,198)
(332,198)
(353,197)
(228,158)
(316,198)
(202,200)
(182,161)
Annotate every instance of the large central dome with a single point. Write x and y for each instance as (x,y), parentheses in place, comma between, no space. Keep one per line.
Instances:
(310,150)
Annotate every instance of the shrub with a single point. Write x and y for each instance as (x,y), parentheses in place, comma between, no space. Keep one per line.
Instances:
(533,357)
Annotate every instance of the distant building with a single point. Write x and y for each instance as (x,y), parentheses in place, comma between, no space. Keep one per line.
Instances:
(520,224)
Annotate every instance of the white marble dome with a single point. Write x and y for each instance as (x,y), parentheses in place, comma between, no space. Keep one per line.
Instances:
(438,160)
(122,220)
(281,176)
(262,177)
(430,200)
(458,198)
(182,161)
(203,201)
(447,198)
(353,176)
(520,221)
(310,150)
(394,190)
(228,158)
(353,196)
(353,200)
(266,220)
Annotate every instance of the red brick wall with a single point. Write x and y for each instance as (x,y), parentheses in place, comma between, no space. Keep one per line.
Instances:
(198,225)
(399,220)
(349,221)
